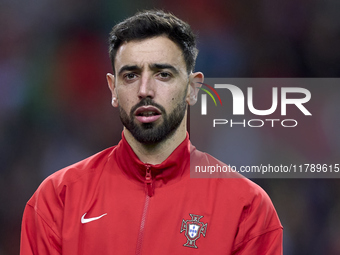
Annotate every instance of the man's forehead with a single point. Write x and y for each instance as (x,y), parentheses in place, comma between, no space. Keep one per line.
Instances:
(149,52)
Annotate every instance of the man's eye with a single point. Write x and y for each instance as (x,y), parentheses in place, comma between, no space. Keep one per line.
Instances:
(130,76)
(164,75)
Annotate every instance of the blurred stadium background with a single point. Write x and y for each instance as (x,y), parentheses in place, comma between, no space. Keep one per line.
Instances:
(55,105)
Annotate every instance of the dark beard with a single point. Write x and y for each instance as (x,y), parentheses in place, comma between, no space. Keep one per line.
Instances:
(150,133)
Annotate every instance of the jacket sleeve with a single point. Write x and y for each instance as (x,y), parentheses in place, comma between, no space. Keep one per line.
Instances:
(37,236)
(260,231)
(41,223)
(269,243)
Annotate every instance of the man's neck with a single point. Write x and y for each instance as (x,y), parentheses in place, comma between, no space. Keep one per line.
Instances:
(156,153)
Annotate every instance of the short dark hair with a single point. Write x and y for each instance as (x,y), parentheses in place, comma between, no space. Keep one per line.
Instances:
(152,23)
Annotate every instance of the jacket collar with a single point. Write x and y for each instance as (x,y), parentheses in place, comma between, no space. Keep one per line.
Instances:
(169,171)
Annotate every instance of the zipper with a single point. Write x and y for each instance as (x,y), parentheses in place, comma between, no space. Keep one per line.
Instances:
(148,181)
(149,193)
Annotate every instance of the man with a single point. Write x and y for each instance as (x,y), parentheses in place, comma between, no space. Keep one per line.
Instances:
(138,197)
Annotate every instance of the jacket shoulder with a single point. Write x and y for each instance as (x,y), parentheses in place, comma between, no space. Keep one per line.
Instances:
(84,169)
(222,172)
(75,171)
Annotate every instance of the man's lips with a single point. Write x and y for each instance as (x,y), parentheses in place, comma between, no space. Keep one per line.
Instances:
(147,114)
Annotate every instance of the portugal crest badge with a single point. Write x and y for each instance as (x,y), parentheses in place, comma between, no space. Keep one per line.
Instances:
(193,229)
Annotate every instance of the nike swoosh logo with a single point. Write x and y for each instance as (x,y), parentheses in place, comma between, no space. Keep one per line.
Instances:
(83,220)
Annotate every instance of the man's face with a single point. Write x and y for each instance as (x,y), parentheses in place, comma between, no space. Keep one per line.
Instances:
(151,88)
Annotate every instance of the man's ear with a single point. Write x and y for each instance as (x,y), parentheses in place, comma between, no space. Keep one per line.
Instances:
(111,83)
(195,82)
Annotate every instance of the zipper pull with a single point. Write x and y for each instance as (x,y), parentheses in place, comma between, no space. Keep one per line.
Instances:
(148,181)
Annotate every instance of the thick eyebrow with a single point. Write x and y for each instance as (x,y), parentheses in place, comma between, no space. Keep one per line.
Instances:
(152,67)
(164,66)
(128,68)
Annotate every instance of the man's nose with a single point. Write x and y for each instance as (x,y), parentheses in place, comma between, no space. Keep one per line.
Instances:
(146,87)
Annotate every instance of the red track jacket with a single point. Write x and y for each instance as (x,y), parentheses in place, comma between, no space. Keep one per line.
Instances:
(112,203)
